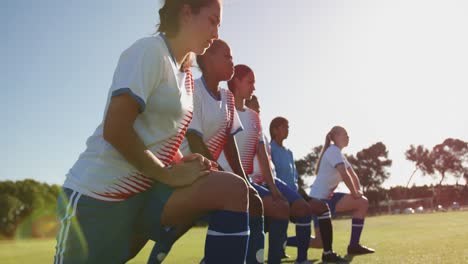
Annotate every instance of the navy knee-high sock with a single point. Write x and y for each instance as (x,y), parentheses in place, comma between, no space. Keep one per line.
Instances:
(303,231)
(326,230)
(227,237)
(255,250)
(356,230)
(292,241)
(162,247)
(277,227)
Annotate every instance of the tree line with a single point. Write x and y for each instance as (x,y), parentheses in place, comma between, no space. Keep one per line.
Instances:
(447,159)
(26,202)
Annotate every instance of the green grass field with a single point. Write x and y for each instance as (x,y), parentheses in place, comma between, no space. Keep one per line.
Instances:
(426,238)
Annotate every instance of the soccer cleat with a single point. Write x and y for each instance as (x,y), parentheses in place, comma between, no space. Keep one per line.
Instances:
(333,258)
(285,256)
(359,250)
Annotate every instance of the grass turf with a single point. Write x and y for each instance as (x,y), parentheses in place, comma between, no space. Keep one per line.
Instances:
(421,238)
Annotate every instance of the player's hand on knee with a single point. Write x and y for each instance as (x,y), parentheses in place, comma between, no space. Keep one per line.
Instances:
(186,172)
(204,162)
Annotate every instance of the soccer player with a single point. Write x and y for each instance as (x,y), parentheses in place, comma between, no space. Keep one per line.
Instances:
(250,144)
(212,130)
(133,157)
(333,168)
(286,172)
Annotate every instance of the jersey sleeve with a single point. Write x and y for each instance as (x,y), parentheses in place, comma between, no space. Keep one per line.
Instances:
(196,125)
(347,164)
(334,157)
(138,72)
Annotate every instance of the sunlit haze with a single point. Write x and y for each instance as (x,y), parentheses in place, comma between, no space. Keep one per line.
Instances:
(389,71)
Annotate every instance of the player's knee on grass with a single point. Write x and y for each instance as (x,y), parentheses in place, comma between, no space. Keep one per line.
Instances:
(316,242)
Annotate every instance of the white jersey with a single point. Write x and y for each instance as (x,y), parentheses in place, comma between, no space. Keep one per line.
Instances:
(328,176)
(213,119)
(148,72)
(257,175)
(246,140)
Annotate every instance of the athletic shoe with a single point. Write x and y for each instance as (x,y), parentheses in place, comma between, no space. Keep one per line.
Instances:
(333,258)
(359,250)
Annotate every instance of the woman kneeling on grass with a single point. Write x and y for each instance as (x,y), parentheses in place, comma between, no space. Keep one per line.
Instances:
(132,180)
(333,168)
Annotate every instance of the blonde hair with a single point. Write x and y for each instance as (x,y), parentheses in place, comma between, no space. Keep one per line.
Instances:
(328,139)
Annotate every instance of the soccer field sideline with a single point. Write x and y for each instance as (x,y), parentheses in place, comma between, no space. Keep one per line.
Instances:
(419,238)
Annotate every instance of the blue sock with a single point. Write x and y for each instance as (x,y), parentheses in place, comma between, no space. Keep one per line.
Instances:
(227,237)
(303,236)
(278,227)
(292,241)
(356,229)
(256,248)
(163,246)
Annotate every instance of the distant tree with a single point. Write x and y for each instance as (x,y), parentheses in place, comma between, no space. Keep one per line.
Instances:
(422,159)
(450,157)
(10,213)
(306,165)
(25,200)
(465,175)
(370,165)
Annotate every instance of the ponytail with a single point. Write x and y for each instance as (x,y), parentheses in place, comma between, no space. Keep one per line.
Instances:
(329,138)
(325,146)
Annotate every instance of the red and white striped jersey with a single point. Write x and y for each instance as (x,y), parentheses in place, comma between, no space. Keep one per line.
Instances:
(246,140)
(257,175)
(213,119)
(148,72)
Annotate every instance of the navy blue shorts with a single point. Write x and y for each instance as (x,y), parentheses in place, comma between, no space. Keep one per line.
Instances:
(332,202)
(262,190)
(95,231)
(290,194)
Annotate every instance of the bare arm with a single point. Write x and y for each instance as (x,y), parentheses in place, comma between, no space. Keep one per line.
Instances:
(265,168)
(357,183)
(232,155)
(197,145)
(119,132)
(348,180)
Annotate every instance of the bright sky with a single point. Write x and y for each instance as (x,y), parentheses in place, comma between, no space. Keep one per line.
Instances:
(390,71)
